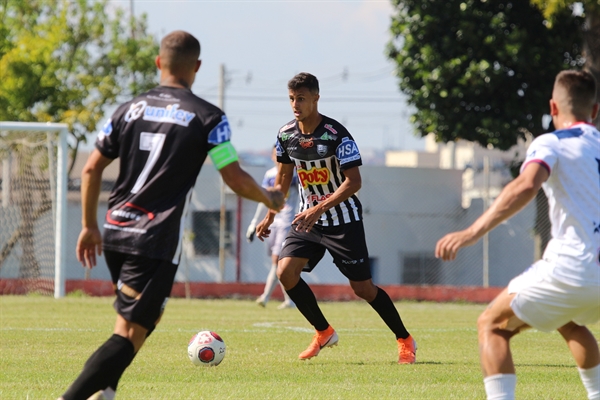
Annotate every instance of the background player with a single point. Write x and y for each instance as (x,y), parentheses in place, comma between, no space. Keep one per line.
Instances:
(279,229)
(162,138)
(330,216)
(561,291)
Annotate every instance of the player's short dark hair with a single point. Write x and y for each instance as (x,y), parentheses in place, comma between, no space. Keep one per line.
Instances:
(580,86)
(304,80)
(179,51)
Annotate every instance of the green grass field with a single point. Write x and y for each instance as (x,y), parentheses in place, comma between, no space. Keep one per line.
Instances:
(44,343)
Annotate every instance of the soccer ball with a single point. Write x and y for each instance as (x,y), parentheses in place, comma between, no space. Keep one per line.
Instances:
(206,348)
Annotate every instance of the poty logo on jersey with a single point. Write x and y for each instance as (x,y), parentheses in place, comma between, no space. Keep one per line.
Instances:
(306,143)
(347,151)
(170,114)
(314,176)
(220,133)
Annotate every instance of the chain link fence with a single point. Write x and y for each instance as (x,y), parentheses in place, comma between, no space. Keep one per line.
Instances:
(406,211)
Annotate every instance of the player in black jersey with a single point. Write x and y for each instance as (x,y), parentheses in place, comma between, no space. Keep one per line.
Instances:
(162,138)
(330,216)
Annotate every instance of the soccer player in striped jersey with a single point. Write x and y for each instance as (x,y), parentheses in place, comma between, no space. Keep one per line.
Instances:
(327,160)
(562,290)
(161,139)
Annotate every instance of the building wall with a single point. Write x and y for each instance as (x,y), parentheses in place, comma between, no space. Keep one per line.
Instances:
(406,210)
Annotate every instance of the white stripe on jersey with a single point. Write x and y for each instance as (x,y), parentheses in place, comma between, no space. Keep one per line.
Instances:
(178,250)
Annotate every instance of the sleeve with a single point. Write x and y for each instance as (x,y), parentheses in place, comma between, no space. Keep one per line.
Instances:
(347,152)
(107,141)
(220,149)
(282,155)
(543,150)
(220,131)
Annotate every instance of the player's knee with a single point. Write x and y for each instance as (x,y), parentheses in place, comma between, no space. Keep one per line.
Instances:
(484,322)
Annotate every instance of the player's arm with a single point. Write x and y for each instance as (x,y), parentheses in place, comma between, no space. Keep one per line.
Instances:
(511,200)
(225,159)
(283,180)
(352,184)
(89,242)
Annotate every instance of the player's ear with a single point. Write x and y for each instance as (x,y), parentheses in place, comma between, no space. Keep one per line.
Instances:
(553,108)
(198,63)
(157,62)
(595,109)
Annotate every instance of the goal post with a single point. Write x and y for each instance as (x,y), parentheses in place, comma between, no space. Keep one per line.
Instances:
(56,141)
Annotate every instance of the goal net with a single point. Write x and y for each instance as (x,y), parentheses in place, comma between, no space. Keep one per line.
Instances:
(33,189)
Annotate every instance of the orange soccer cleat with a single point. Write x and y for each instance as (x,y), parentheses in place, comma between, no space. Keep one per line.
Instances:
(326,338)
(407,350)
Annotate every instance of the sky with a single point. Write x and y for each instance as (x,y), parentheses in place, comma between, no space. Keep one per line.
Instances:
(262,44)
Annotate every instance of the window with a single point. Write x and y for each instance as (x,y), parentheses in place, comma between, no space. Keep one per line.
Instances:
(205,225)
(420,269)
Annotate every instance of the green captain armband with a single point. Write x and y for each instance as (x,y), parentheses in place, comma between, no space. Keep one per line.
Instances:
(223,155)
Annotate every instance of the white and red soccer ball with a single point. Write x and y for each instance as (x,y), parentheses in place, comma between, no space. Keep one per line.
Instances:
(206,348)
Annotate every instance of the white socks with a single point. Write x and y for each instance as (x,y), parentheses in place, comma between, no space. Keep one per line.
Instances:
(500,387)
(591,381)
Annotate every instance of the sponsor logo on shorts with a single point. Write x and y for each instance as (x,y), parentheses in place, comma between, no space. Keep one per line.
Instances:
(314,176)
(353,262)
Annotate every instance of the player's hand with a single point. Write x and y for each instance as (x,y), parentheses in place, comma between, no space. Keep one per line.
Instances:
(262,229)
(276,197)
(307,219)
(89,244)
(448,246)
(250,233)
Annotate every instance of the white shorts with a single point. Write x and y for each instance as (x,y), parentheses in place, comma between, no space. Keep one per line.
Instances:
(276,238)
(546,304)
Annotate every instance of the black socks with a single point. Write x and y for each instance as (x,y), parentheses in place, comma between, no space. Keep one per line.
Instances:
(307,304)
(103,369)
(388,313)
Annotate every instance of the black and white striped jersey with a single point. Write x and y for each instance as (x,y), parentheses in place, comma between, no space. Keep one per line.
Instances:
(320,159)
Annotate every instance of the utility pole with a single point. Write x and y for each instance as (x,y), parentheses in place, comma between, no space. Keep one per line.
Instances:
(223,213)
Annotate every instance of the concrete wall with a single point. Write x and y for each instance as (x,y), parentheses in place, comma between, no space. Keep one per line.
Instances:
(406,210)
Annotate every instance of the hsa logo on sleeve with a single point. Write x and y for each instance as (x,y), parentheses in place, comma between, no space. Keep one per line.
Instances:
(220,133)
(347,151)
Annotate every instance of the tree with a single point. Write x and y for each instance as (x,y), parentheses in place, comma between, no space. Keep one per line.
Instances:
(63,61)
(480,70)
(590,31)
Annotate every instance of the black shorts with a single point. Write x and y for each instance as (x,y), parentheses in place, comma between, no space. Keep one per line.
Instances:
(346,244)
(142,285)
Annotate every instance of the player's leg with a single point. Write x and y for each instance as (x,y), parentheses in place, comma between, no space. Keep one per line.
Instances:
(495,326)
(584,347)
(302,251)
(278,240)
(143,288)
(272,277)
